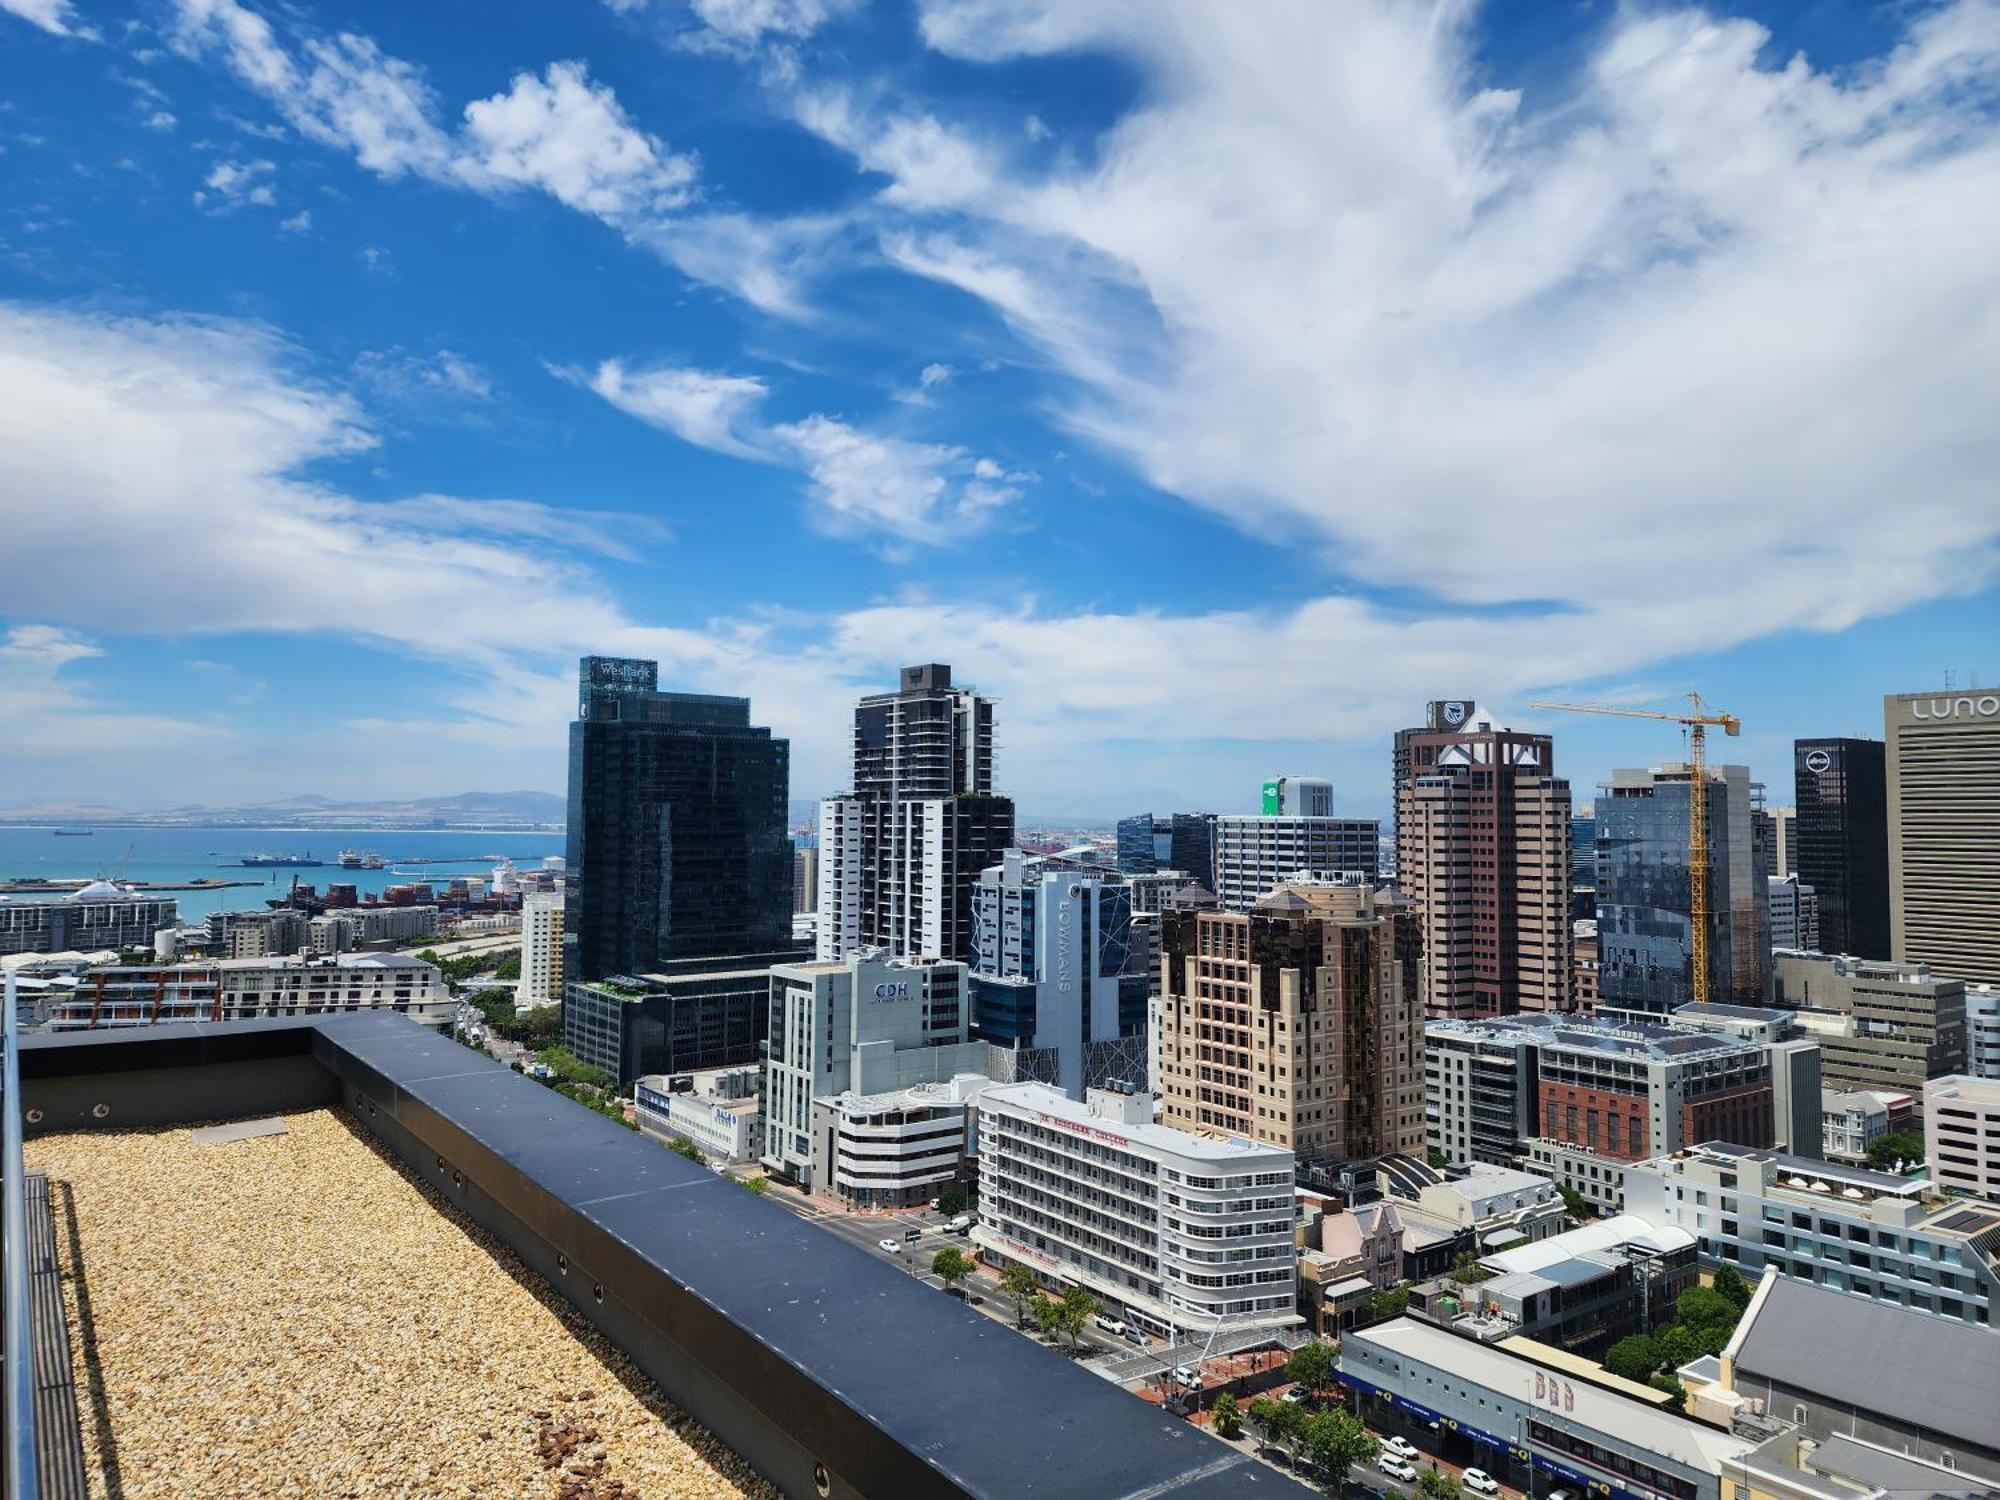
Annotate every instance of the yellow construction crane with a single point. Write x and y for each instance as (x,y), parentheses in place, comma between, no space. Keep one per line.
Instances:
(1696,723)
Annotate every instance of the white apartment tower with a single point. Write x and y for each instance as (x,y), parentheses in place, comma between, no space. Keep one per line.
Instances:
(541,949)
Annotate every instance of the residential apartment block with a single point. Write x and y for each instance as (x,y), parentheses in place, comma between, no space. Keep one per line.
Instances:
(1297,1023)
(541,949)
(96,918)
(71,996)
(898,857)
(1175,1232)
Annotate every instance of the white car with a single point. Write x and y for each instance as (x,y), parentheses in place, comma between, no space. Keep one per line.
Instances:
(960,1225)
(1479,1482)
(894,1247)
(1401,1447)
(1188,1376)
(1396,1468)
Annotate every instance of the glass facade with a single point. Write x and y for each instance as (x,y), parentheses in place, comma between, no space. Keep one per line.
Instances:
(677,846)
(1841,841)
(1645,961)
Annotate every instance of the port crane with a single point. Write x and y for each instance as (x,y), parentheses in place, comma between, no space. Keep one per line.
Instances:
(1697,723)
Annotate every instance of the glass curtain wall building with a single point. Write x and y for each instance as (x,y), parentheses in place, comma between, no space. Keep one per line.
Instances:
(677,845)
(1841,841)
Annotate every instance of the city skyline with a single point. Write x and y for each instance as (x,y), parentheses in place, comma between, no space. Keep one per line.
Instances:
(363,369)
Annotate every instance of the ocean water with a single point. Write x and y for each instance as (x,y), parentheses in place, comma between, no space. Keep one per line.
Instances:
(177,855)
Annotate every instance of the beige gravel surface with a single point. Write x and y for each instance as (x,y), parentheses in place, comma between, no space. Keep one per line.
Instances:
(296,1315)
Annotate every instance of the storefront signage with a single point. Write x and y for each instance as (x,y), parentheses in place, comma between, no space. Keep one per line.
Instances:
(1554,1392)
(1074,1129)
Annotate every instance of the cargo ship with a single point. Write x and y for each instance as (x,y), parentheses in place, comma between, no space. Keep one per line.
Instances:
(282,861)
(75,833)
(360,859)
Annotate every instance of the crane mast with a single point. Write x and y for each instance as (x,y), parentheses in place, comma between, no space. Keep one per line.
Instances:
(1697,724)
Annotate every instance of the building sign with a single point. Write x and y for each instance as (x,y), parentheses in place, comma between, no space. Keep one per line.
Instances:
(1074,1129)
(1818,761)
(1553,1392)
(1273,798)
(1986,706)
(892,991)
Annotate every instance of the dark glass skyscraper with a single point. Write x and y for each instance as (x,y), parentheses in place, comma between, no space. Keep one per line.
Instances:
(1150,842)
(677,844)
(1841,841)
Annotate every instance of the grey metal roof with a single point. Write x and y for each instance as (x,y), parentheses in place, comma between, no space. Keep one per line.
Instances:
(1912,1367)
(1864,1463)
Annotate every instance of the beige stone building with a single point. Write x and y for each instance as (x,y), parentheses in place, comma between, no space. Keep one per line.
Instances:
(1943,753)
(1299,1022)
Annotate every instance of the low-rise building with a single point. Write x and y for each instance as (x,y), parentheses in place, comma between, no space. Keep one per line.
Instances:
(1534,1418)
(1582,1290)
(898,1149)
(682,1017)
(1174,1232)
(1851,1121)
(864,1025)
(1962,1135)
(352,927)
(85,996)
(92,918)
(259,934)
(1868,1234)
(1887,1385)
(722,1112)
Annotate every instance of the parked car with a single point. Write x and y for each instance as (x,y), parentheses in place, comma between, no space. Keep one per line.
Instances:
(894,1247)
(1188,1376)
(960,1225)
(1110,1325)
(1298,1395)
(1401,1447)
(1564,1495)
(1396,1468)
(1479,1482)
(1134,1336)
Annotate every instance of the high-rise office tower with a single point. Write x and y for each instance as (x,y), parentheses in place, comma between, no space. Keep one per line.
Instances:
(1483,852)
(1298,1022)
(1943,758)
(677,846)
(1254,853)
(898,857)
(1441,715)
(805,880)
(1785,844)
(1148,842)
(1794,914)
(1055,978)
(1840,841)
(1644,953)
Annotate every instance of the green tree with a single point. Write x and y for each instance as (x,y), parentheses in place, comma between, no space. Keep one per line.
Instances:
(1337,1440)
(1573,1203)
(1667,1383)
(1020,1283)
(1262,1415)
(1077,1308)
(954,1200)
(1437,1159)
(758,1185)
(1311,1366)
(538,1028)
(1228,1420)
(1701,1307)
(1465,1267)
(1729,1283)
(1383,1306)
(1898,1145)
(1434,1484)
(680,1145)
(1636,1357)
(569,1068)
(1678,1344)
(951,1266)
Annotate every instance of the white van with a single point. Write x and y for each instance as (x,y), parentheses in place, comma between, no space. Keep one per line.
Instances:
(1108,1324)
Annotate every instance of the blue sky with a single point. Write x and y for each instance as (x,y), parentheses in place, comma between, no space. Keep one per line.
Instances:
(1213,383)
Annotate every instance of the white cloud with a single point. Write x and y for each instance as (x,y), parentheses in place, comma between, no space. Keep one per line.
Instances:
(231,184)
(441,381)
(708,410)
(47,714)
(574,141)
(160,119)
(557,133)
(298,223)
(1688,309)
(863,483)
(58,17)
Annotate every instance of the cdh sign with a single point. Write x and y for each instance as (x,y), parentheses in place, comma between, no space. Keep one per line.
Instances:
(892,992)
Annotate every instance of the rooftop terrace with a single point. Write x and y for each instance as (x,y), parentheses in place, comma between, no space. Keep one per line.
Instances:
(439,1249)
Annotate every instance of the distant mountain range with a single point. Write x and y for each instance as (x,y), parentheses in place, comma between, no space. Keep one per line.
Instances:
(526,811)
